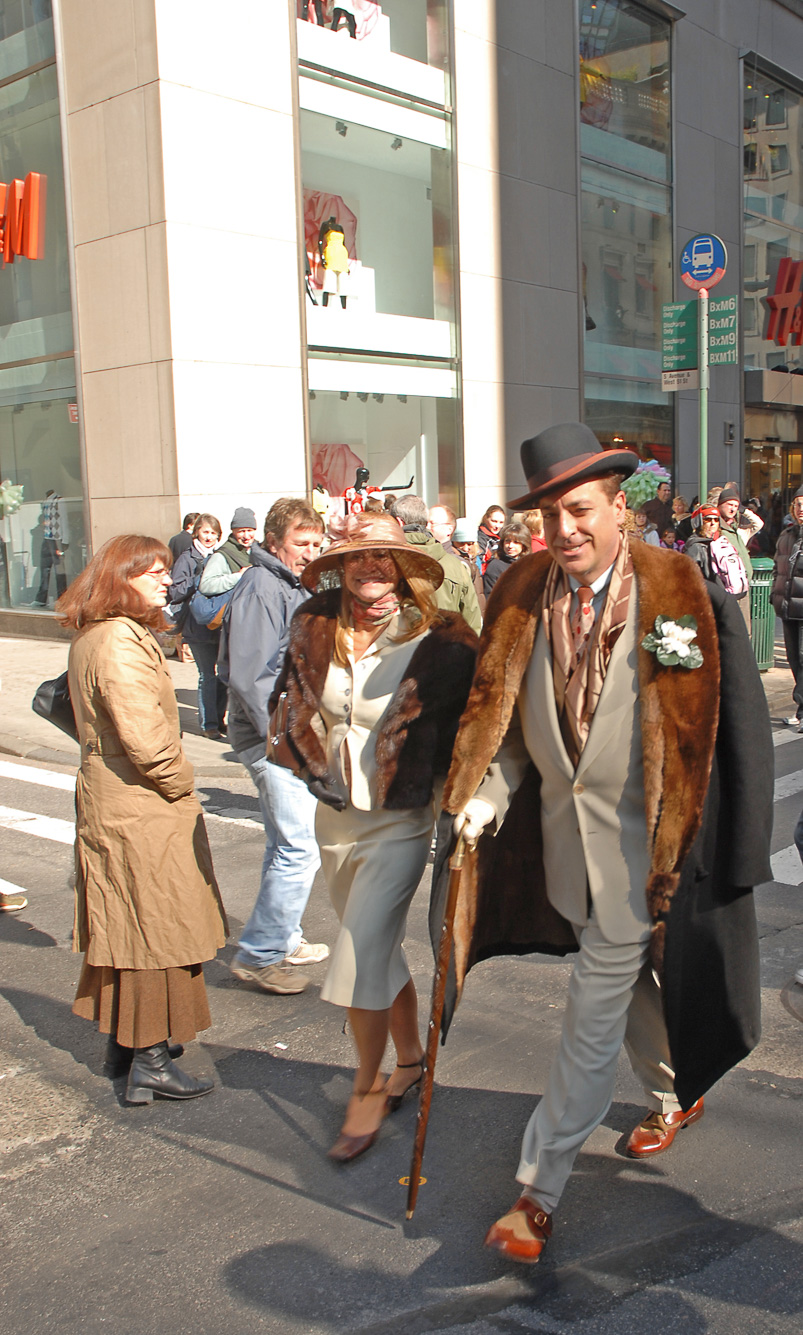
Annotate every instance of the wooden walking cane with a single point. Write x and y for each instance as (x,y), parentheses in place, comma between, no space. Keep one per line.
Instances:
(436,1015)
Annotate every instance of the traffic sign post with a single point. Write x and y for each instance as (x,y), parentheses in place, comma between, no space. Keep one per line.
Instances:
(704,377)
(702,265)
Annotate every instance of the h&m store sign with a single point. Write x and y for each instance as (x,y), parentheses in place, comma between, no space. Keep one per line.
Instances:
(22,218)
(785,315)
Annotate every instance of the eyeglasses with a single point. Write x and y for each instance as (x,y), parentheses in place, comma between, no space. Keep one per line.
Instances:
(157,573)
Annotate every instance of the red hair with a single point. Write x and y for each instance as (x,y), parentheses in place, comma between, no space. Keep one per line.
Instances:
(103,590)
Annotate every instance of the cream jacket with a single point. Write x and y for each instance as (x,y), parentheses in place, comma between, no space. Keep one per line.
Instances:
(355,699)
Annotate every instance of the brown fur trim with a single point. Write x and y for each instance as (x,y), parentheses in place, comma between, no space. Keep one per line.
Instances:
(680,714)
(657,947)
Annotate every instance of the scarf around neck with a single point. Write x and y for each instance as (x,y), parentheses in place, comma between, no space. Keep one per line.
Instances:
(373,615)
(578,679)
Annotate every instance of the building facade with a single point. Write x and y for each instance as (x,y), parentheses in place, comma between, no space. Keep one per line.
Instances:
(246,254)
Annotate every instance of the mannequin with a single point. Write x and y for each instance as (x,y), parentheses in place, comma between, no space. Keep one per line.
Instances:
(54,545)
(345,11)
(335,260)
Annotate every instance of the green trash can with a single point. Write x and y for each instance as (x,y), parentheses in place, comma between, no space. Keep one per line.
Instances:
(762,613)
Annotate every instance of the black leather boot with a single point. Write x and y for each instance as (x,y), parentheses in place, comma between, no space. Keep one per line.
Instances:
(118,1059)
(152,1072)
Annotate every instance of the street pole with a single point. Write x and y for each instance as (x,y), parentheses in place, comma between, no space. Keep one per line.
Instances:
(704,376)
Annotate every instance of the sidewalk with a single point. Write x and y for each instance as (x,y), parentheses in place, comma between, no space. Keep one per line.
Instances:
(26,663)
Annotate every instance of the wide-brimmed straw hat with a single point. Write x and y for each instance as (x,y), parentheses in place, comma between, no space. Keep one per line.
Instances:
(372,533)
(564,456)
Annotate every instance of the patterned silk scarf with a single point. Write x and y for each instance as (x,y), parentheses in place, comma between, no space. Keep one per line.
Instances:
(578,678)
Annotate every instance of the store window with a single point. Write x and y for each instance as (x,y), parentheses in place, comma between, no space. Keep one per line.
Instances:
(773,287)
(626,223)
(378,199)
(773,221)
(26,35)
(42,543)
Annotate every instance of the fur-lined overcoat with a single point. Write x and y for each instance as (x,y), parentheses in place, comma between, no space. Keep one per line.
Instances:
(708,780)
(416,736)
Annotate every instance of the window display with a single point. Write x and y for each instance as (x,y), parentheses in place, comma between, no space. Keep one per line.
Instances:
(403,442)
(625,138)
(42,545)
(377,178)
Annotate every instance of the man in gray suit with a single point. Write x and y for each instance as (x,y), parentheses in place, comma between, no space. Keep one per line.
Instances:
(597,703)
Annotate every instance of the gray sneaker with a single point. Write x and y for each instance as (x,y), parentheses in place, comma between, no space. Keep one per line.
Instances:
(307,953)
(12,903)
(279,978)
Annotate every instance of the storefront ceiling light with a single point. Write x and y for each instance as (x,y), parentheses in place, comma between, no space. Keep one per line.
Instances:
(341,128)
(397,143)
(341,376)
(358,109)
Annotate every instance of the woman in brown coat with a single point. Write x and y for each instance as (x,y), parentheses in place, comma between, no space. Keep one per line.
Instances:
(148,909)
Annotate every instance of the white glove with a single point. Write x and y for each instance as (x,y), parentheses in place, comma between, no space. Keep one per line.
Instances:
(476,814)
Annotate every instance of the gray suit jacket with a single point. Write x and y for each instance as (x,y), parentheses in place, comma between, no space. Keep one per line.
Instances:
(592,821)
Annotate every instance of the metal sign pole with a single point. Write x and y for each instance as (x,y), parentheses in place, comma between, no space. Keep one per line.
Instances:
(704,379)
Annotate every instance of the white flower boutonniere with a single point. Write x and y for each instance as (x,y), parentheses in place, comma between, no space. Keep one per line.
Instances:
(671,642)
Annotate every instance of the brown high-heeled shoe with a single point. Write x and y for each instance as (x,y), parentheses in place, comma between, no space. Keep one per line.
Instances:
(394,1101)
(348,1147)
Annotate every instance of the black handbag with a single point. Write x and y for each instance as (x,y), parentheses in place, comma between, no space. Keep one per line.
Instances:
(52,701)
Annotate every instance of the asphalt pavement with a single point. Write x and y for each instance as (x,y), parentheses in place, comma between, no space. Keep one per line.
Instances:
(224,1214)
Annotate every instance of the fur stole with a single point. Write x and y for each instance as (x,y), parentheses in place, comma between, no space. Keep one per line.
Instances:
(417,733)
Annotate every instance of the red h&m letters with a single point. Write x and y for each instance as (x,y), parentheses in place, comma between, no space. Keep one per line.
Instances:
(786,305)
(22,218)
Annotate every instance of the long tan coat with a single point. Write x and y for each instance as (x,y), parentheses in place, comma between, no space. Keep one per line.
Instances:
(146,894)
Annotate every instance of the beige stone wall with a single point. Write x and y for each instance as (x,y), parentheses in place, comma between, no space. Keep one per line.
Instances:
(515,97)
(180,142)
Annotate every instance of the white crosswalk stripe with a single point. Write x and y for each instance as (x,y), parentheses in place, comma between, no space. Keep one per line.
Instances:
(787,869)
(789,785)
(9,888)
(48,828)
(781,738)
(45,778)
(44,827)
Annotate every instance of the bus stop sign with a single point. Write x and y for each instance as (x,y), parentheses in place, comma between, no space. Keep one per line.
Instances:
(703,262)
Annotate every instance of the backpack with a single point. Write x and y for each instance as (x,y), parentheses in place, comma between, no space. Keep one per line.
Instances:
(728,565)
(208,610)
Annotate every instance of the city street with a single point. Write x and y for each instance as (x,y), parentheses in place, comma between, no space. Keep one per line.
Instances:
(224,1214)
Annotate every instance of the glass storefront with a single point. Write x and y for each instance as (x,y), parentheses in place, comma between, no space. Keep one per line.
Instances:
(377,178)
(773,292)
(42,544)
(626,172)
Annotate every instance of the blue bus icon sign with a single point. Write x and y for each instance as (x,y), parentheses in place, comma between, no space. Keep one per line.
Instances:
(703,262)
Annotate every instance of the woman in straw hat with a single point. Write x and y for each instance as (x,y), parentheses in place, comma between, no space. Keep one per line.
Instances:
(376,680)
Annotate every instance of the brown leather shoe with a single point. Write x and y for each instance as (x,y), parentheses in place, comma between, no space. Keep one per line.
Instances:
(656,1133)
(522,1233)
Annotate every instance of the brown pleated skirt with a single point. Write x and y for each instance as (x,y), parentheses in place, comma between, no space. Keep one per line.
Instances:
(141,1007)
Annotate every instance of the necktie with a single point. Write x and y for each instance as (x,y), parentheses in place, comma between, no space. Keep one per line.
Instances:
(582,621)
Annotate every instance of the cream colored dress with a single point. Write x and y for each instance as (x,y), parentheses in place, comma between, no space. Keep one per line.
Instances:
(372,859)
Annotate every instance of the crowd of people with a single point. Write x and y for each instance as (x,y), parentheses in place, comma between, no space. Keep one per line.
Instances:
(350,680)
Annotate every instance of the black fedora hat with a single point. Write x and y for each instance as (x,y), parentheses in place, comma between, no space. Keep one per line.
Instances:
(563,456)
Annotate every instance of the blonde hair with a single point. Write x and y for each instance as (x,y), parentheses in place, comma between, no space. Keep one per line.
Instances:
(534,521)
(415,595)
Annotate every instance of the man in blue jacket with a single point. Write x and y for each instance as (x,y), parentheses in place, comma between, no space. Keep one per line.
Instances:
(252,647)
